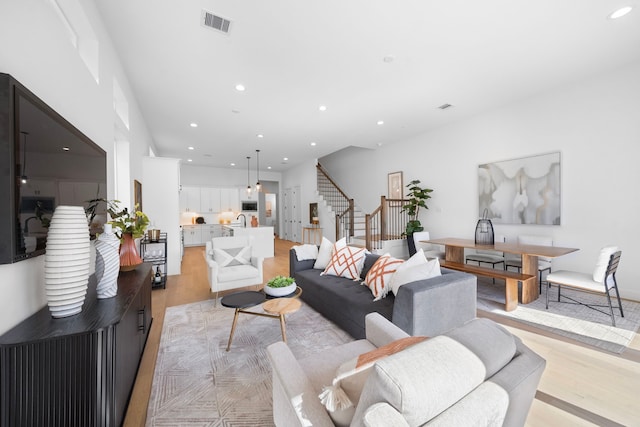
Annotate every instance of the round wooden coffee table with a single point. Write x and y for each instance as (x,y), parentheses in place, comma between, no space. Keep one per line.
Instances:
(278,307)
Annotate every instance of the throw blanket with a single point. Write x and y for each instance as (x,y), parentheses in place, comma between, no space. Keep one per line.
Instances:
(307,251)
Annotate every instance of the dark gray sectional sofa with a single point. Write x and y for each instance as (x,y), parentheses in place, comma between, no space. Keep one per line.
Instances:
(427,307)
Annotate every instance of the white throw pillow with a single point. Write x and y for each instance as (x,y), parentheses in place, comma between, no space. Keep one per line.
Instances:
(346,262)
(232,256)
(416,268)
(326,251)
(603,262)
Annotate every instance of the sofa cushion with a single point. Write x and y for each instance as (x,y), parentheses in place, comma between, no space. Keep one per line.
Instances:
(326,251)
(378,278)
(415,268)
(341,300)
(369,260)
(423,380)
(346,262)
(232,256)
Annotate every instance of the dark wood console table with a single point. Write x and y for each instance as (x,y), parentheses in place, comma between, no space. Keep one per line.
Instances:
(78,370)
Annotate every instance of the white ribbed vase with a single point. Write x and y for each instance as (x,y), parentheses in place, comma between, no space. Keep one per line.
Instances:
(107,263)
(67,261)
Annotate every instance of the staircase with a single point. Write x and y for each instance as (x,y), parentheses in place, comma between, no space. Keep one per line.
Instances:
(379,232)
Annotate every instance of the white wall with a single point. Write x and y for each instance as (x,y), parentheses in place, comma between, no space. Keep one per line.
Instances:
(37,52)
(201,176)
(595,124)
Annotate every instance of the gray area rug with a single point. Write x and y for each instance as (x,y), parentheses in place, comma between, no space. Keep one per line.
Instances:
(570,320)
(196,382)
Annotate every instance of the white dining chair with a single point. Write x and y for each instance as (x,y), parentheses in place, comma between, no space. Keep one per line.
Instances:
(430,251)
(601,281)
(544,264)
(482,256)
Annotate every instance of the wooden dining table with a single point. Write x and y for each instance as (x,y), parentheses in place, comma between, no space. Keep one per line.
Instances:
(454,252)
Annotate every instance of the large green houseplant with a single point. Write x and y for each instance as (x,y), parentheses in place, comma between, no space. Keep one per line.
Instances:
(416,199)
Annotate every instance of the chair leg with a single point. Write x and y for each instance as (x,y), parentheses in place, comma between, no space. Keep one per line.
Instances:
(615,283)
(547,295)
(613,318)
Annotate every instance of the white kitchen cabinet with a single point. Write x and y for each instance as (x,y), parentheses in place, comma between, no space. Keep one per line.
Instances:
(192,235)
(229,200)
(190,199)
(210,231)
(209,200)
(35,187)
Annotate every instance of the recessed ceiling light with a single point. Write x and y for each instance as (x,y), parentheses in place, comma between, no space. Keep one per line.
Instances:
(240,88)
(268,167)
(322,108)
(260,135)
(313,144)
(620,12)
(189,160)
(233,164)
(285,159)
(191,148)
(445,106)
(194,125)
(235,111)
(380,122)
(66,148)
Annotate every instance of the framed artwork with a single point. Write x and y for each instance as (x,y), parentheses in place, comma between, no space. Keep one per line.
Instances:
(137,195)
(521,191)
(313,213)
(395,187)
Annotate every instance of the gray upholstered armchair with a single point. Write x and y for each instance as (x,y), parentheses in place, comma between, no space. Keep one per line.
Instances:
(476,375)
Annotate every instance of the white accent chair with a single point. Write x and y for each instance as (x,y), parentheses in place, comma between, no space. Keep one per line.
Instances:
(430,251)
(231,265)
(544,264)
(601,281)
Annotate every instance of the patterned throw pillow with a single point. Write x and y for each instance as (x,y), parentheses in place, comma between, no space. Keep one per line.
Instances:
(346,262)
(232,256)
(379,276)
(326,250)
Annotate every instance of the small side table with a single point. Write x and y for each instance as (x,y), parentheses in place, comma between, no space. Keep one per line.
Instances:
(309,231)
(275,308)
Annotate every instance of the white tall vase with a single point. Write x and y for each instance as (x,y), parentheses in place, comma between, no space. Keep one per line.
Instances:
(67,261)
(107,263)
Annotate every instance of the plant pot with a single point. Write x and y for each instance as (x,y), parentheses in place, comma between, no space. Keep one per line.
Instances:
(280,292)
(411,244)
(129,258)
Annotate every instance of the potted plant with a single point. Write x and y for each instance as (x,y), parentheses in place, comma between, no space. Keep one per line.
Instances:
(417,198)
(280,286)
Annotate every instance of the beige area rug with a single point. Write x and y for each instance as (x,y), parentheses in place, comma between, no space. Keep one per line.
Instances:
(196,382)
(569,320)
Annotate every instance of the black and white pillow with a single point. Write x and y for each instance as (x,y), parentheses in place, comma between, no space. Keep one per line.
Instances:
(232,256)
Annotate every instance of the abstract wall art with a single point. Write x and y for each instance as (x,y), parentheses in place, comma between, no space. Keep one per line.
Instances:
(521,191)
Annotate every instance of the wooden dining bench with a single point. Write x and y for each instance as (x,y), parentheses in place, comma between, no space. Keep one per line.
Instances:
(511,279)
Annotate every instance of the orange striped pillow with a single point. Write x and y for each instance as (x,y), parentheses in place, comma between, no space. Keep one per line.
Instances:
(346,262)
(379,276)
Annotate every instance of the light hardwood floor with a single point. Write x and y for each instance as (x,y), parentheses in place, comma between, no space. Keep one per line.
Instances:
(581,386)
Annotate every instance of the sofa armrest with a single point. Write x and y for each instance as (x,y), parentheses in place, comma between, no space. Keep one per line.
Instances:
(295,402)
(383,415)
(433,306)
(257,263)
(295,265)
(380,331)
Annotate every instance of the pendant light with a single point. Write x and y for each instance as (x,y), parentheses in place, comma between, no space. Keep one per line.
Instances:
(23,177)
(258,185)
(248,179)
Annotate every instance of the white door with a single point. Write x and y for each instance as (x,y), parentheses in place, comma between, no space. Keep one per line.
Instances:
(296,215)
(286,213)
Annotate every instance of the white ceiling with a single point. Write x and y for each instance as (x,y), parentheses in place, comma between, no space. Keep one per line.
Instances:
(295,55)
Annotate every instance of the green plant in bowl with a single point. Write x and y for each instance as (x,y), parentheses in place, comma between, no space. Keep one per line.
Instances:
(280,282)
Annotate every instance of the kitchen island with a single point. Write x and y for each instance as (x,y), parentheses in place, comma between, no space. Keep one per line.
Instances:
(263,240)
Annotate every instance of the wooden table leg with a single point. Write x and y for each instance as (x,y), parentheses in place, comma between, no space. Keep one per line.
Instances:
(283,328)
(454,254)
(233,328)
(511,295)
(530,291)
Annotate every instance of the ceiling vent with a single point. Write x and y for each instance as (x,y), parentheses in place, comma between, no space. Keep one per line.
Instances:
(215,22)
(445,106)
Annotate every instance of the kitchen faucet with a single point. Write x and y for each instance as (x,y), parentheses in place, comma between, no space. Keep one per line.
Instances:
(244,223)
